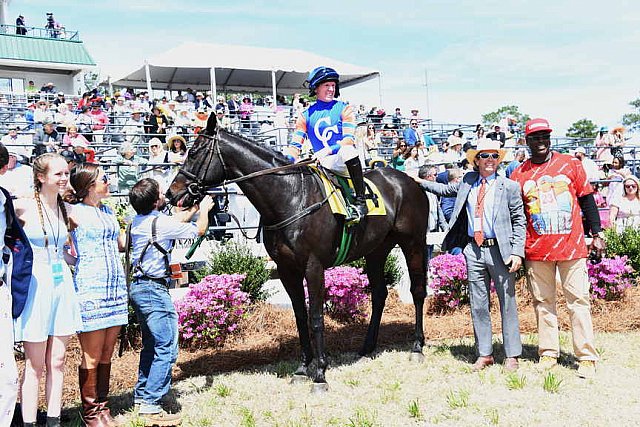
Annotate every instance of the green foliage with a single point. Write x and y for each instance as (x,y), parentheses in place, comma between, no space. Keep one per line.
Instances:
(363,418)
(515,382)
(493,416)
(625,243)
(248,419)
(234,258)
(392,271)
(551,383)
(632,120)
(222,390)
(502,112)
(458,399)
(122,209)
(414,410)
(583,128)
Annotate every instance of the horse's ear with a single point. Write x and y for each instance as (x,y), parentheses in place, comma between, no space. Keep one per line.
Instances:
(212,124)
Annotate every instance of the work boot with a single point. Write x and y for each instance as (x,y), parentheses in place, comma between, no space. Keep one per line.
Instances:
(102,387)
(161,419)
(360,202)
(88,379)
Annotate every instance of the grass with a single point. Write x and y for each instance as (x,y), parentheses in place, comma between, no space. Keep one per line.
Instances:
(551,383)
(515,381)
(389,390)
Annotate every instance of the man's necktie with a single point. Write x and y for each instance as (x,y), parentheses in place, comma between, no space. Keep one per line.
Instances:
(478,234)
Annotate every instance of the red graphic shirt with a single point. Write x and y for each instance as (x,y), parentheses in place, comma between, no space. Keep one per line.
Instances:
(550,194)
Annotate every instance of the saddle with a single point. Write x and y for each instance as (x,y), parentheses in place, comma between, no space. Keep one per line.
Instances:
(341,193)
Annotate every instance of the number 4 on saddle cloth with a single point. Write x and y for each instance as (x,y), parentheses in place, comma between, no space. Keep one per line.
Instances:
(340,197)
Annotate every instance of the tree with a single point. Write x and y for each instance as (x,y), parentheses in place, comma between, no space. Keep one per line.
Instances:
(518,119)
(632,120)
(583,128)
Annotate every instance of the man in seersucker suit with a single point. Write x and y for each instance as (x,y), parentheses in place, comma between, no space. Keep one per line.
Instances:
(488,221)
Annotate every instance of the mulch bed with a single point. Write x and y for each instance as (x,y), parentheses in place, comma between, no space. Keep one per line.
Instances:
(269,335)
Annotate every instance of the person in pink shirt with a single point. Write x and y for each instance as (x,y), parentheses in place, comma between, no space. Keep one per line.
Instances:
(73,138)
(100,121)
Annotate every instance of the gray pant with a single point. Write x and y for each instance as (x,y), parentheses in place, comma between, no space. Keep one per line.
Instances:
(483,265)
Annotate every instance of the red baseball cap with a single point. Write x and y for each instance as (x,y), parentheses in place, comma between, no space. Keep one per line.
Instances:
(537,125)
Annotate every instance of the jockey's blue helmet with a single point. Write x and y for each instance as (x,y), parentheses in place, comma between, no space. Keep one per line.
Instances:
(320,75)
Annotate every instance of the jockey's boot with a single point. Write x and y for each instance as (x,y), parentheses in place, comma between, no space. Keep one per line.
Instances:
(360,202)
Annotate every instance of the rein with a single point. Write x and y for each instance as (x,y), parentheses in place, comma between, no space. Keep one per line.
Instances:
(197,187)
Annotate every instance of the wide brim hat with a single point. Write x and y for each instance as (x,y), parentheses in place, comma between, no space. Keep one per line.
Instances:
(171,140)
(485,144)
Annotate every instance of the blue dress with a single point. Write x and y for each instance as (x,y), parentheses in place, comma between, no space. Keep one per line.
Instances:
(52,307)
(99,275)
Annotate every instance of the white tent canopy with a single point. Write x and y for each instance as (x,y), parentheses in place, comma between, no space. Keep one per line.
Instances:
(229,68)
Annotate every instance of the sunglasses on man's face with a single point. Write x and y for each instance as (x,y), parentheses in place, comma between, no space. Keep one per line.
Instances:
(486,156)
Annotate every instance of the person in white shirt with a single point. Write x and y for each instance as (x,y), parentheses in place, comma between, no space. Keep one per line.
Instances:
(18,143)
(590,167)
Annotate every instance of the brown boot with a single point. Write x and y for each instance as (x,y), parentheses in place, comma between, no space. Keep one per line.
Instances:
(88,394)
(104,375)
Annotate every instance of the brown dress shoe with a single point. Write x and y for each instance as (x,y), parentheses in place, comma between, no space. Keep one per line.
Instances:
(482,362)
(511,364)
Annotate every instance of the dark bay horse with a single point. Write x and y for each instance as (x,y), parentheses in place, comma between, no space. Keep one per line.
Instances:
(304,233)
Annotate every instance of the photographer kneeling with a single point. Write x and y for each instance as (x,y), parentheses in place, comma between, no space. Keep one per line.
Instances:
(152,235)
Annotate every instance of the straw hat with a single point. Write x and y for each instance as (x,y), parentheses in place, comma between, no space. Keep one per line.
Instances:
(173,138)
(485,144)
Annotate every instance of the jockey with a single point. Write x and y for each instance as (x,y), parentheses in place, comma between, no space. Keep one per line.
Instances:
(330,125)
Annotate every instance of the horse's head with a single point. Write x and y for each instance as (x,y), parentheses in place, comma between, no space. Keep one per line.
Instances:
(202,169)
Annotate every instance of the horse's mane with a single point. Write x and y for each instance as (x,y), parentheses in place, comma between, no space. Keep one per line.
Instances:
(268,150)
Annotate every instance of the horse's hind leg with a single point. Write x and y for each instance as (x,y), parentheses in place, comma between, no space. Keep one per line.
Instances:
(292,282)
(315,286)
(375,273)
(414,255)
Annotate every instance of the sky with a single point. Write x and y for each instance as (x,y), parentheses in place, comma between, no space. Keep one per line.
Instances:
(454,60)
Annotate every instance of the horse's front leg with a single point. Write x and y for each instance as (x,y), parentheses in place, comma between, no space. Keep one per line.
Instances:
(417,275)
(292,281)
(315,286)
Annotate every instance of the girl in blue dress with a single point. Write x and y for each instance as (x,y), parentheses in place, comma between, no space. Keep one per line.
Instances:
(100,284)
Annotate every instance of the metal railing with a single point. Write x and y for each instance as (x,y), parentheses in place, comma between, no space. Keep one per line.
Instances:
(58,33)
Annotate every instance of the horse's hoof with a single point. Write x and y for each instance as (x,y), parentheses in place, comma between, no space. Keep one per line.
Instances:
(298,379)
(319,388)
(416,357)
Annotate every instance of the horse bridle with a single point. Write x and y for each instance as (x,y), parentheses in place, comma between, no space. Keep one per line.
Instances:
(196,188)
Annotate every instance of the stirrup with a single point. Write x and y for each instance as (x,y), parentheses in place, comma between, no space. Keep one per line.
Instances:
(356,213)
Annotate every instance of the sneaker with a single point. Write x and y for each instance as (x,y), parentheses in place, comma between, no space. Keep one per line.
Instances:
(586,369)
(161,419)
(547,362)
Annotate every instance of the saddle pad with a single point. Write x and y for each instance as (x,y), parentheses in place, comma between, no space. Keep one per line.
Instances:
(339,205)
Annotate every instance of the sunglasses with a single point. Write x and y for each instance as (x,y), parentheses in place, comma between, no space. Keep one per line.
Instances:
(485,156)
(403,145)
(630,186)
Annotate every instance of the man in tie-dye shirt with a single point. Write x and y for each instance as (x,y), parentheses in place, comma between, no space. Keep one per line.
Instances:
(329,125)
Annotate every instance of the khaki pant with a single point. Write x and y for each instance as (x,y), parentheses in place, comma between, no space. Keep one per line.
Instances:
(575,286)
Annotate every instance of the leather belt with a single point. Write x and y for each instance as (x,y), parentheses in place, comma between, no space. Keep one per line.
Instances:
(487,242)
(158,280)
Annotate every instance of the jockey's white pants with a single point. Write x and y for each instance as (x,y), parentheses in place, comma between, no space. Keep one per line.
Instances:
(336,162)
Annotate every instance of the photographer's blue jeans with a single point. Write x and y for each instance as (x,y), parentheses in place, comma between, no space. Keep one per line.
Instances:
(159,324)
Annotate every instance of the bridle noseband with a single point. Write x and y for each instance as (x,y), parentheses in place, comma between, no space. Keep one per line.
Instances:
(197,188)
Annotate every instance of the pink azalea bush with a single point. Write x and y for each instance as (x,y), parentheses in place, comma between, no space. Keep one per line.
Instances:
(448,279)
(211,310)
(609,278)
(346,293)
